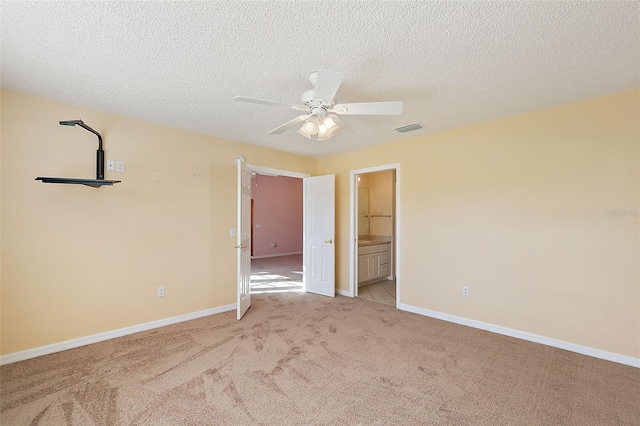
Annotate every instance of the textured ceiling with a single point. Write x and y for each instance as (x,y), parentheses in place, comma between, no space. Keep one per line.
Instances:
(451,63)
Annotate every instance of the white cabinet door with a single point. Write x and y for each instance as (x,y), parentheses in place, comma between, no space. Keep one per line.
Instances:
(363,268)
(374,266)
(373,262)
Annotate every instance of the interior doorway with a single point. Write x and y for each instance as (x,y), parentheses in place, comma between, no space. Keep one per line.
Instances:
(374,232)
(318,234)
(276,233)
(318,252)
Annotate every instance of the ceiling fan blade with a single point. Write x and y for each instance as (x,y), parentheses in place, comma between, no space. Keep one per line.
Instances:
(327,84)
(290,124)
(272,103)
(368,108)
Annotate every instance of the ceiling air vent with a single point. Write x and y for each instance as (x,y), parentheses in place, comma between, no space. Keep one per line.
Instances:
(408,128)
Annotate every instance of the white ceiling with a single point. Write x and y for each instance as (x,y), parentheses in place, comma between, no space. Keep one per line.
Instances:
(451,63)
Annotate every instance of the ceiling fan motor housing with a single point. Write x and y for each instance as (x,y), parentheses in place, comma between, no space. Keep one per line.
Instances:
(317,107)
(308,100)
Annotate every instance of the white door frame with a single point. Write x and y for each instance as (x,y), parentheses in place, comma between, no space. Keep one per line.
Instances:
(243,236)
(353,228)
(276,172)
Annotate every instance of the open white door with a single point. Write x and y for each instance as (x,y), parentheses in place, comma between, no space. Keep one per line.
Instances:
(244,236)
(319,235)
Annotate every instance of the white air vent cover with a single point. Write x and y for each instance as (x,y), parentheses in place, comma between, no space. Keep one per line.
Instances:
(408,128)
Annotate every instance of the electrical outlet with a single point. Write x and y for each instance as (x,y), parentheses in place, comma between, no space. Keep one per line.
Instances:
(160,291)
(120,166)
(465,290)
(111,166)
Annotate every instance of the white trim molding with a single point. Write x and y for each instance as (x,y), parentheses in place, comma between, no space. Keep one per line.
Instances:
(268,171)
(100,337)
(572,347)
(344,292)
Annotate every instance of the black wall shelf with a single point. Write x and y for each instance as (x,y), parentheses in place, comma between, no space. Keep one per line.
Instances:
(94,183)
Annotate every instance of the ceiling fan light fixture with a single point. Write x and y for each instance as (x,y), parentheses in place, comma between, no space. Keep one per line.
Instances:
(328,129)
(334,131)
(310,126)
(304,133)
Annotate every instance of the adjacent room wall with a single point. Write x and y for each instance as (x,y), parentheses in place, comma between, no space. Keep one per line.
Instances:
(277,215)
(381,202)
(77,261)
(518,209)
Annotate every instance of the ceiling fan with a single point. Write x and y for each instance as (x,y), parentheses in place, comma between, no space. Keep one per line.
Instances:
(320,118)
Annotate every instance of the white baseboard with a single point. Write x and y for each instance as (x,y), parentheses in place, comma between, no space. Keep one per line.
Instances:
(95,338)
(572,347)
(344,293)
(275,255)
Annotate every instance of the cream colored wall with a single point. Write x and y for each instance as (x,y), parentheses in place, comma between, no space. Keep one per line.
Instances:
(381,196)
(78,261)
(514,208)
(364,225)
(380,185)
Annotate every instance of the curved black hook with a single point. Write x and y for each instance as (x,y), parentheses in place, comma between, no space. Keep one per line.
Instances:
(100,152)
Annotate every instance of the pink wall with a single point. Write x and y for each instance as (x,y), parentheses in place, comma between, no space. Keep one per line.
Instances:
(277,215)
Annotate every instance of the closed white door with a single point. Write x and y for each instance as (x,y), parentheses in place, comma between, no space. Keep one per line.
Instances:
(319,235)
(244,237)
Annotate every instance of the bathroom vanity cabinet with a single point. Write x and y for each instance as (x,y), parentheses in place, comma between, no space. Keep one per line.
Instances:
(374,262)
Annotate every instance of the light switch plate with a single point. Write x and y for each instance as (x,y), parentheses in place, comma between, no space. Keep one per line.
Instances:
(111,165)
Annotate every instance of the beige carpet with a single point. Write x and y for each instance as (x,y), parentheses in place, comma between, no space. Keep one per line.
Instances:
(306,359)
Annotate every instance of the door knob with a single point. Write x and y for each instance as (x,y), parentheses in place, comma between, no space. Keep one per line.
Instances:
(329,241)
(241,246)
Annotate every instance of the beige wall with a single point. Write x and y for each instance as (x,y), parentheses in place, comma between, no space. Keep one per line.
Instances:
(515,209)
(78,261)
